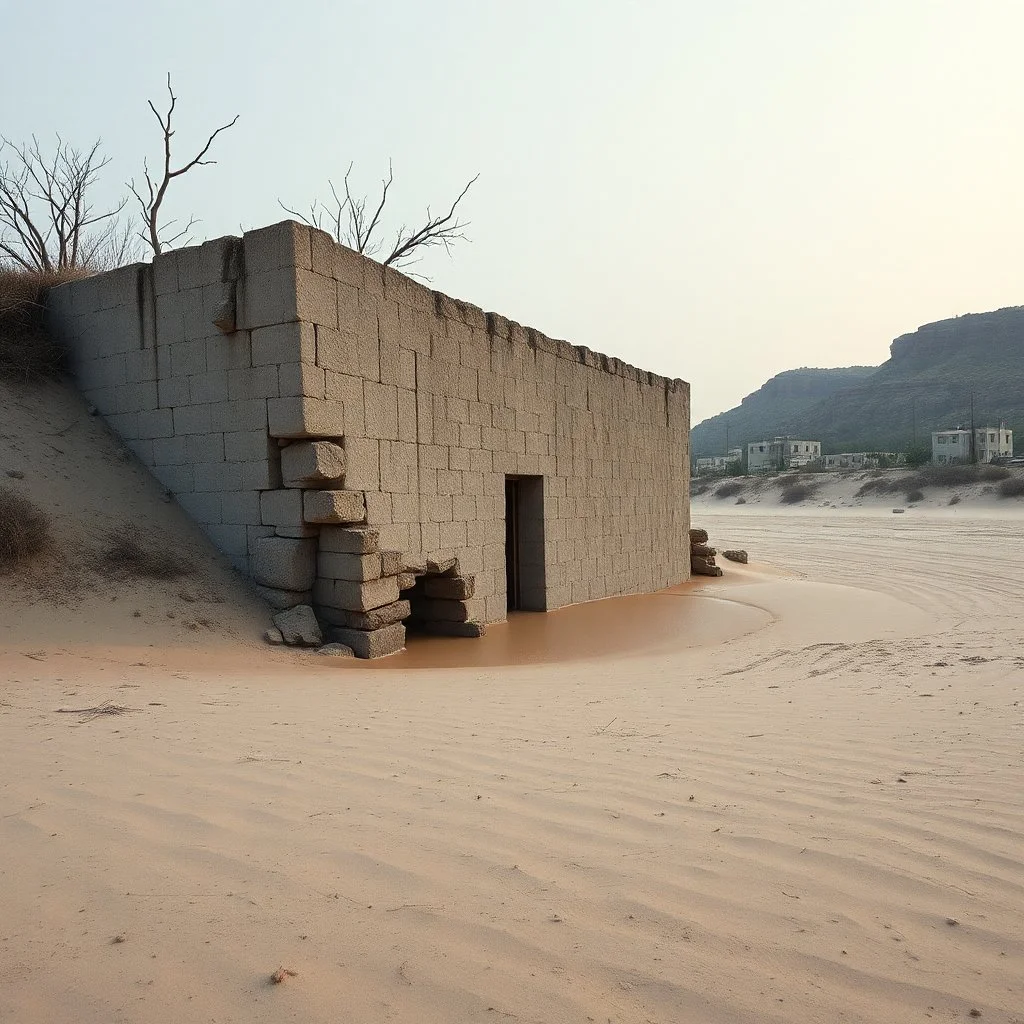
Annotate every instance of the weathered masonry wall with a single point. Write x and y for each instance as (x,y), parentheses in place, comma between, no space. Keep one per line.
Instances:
(396,414)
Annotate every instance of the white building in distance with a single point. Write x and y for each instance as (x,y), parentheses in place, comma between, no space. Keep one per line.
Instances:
(707,464)
(953,446)
(781,453)
(861,460)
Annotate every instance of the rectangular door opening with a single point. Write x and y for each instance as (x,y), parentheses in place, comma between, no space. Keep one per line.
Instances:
(524,544)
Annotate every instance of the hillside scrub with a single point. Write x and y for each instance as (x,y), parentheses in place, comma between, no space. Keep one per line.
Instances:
(27,351)
(1012,487)
(730,489)
(24,530)
(793,494)
(129,553)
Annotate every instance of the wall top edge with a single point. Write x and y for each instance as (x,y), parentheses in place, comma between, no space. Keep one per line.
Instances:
(400,286)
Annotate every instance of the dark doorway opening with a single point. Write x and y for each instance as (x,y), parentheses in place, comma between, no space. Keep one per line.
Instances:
(524,544)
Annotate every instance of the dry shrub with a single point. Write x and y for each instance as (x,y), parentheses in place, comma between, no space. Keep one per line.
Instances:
(1012,487)
(730,489)
(129,553)
(914,495)
(26,349)
(993,473)
(793,494)
(955,500)
(24,530)
(892,484)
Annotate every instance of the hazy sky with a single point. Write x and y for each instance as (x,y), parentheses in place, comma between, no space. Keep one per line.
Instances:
(712,190)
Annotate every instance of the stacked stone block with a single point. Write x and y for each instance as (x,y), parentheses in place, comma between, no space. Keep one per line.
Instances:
(289,393)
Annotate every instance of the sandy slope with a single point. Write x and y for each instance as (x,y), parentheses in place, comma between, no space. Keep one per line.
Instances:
(774,827)
(69,464)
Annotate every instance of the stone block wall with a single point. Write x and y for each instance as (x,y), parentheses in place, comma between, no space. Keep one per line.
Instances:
(341,431)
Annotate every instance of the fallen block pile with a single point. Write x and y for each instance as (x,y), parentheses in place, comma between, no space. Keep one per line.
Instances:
(702,557)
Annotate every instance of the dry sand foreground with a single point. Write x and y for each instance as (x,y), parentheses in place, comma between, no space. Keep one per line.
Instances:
(817,820)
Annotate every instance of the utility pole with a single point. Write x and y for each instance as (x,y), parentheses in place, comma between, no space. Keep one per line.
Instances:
(913,418)
(974,454)
(727,439)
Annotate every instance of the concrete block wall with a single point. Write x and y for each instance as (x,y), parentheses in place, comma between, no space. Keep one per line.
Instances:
(219,364)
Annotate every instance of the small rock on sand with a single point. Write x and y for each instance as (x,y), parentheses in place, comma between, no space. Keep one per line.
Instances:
(736,556)
(336,651)
(273,636)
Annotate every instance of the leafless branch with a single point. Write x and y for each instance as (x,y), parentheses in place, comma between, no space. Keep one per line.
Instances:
(47,221)
(347,218)
(151,202)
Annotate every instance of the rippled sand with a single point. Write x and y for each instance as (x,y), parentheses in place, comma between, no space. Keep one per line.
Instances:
(770,799)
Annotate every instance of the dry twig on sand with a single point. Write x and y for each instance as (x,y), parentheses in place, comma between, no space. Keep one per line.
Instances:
(106,708)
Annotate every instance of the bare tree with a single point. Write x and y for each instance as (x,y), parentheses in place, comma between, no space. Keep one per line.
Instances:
(156,190)
(47,221)
(353,223)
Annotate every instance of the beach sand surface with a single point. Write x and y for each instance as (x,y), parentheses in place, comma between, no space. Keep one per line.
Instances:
(795,793)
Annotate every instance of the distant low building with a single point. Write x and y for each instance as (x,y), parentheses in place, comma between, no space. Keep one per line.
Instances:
(710,464)
(953,446)
(862,460)
(781,453)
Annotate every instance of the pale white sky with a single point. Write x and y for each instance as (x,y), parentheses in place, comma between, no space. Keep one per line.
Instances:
(712,190)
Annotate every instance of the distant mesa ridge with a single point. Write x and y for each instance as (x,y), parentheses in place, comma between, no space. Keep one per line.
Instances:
(926,384)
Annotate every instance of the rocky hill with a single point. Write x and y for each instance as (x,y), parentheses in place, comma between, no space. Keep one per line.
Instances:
(926,384)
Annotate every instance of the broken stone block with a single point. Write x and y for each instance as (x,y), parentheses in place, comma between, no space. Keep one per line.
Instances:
(375,643)
(406,580)
(414,564)
(442,566)
(391,563)
(703,550)
(337,566)
(298,625)
(312,463)
(336,651)
(283,598)
(284,563)
(356,540)
(451,587)
(351,596)
(333,506)
(379,617)
(704,566)
(698,536)
(273,636)
(737,555)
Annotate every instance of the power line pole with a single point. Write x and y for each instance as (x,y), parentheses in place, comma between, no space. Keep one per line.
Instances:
(974,454)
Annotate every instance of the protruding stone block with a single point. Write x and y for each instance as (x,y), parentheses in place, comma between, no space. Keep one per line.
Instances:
(284,563)
(335,566)
(406,580)
(357,540)
(305,417)
(312,464)
(453,588)
(351,596)
(283,598)
(373,644)
(379,617)
(391,563)
(333,506)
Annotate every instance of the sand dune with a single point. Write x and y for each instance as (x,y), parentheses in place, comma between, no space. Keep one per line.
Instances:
(813,816)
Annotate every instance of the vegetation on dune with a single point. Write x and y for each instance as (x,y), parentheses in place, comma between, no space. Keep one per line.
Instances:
(24,530)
